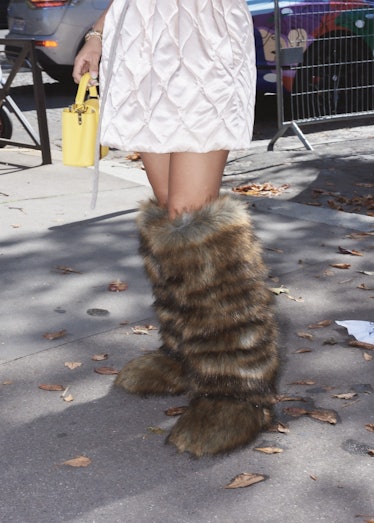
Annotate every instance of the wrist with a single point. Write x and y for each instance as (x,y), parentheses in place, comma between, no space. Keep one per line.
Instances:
(94,33)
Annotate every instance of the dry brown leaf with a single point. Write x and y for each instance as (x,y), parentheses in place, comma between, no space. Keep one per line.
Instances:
(364,287)
(176,411)
(100,357)
(54,335)
(369,427)
(371,452)
(313,477)
(328,416)
(156,430)
(141,329)
(72,364)
(261,189)
(269,450)
(279,290)
(279,427)
(303,382)
(361,344)
(367,357)
(345,396)
(134,157)
(79,461)
(352,252)
(53,387)
(66,270)
(118,286)
(7,382)
(245,479)
(107,371)
(320,324)
(305,335)
(340,265)
(282,398)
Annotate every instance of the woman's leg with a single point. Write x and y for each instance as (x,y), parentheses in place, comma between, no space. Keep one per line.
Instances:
(185,181)
(194,180)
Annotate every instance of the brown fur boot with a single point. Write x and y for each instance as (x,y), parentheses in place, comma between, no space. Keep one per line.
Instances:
(215,304)
(158,372)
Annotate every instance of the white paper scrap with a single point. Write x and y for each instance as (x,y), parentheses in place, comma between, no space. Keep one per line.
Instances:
(361,330)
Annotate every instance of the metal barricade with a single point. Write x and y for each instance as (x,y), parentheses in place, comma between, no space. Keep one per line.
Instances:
(27,54)
(325,65)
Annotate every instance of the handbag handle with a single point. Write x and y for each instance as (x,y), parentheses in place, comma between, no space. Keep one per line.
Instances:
(82,89)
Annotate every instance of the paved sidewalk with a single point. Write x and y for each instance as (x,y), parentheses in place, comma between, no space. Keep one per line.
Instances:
(57,259)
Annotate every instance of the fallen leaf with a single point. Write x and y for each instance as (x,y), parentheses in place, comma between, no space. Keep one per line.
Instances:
(51,387)
(369,427)
(107,371)
(279,427)
(175,411)
(345,396)
(371,452)
(261,189)
(329,341)
(279,290)
(352,252)
(367,357)
(72,364)
(100,357)
(156,430)
(7,382)
(302,351)
(298,300)
(55,335)
(303,382)
(140,329)
(134,157)
(269,450)
(66,270)
(245,479)
(118,286)
(361,344)
(364,287)
(281,398)
(305,335)
(79,461)
(69,398)
(340,265)
(313,477)
(367,273)
(320,324)
(328,416)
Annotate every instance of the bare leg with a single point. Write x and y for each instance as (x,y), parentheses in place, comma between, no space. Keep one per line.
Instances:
(157,168)
(185,181)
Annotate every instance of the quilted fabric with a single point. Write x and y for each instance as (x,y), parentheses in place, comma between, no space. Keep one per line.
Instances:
(182,78)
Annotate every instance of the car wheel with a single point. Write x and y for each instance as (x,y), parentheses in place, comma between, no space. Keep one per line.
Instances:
(336,77)
(6,127)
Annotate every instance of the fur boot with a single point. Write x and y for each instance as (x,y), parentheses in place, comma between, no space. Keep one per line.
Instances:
(158,372)
(215,308)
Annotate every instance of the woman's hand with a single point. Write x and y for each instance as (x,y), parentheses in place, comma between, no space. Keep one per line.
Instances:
(87,60)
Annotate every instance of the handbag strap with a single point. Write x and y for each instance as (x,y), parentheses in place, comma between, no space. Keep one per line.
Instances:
(82,90)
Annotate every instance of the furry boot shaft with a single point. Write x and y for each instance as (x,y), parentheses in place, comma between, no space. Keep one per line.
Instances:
(158,372)
(214,304)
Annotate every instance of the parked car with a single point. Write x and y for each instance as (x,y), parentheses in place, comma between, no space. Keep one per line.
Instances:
(322,31)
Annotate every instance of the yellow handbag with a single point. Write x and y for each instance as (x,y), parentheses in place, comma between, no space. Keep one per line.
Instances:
(79,127)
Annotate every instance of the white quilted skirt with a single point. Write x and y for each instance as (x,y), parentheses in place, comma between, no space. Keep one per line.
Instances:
(181,76)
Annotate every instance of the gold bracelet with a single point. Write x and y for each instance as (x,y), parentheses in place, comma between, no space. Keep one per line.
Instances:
(93,33)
